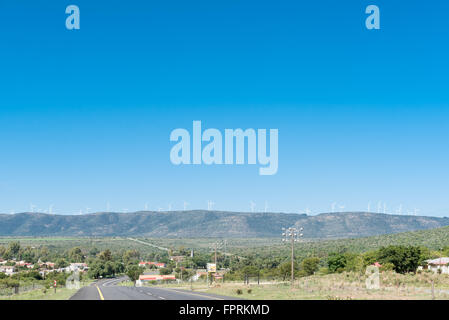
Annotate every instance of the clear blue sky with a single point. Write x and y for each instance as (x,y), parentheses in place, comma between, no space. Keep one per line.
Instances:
(85,115)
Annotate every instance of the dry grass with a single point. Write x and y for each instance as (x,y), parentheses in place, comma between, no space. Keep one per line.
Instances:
(344,286)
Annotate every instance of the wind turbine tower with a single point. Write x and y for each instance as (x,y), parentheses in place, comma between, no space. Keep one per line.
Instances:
(252,205)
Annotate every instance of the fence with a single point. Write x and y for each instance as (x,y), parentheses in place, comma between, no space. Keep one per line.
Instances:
(9,291)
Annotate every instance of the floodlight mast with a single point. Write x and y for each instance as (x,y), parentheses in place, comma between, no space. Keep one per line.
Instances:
(292,235)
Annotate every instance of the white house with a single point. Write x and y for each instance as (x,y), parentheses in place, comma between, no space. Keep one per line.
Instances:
(8,270)
(73,267)
(437,264)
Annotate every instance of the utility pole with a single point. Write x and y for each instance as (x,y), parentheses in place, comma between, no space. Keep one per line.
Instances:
(216,245)
(181,270)
(292,235)
(215,253)
(224,258)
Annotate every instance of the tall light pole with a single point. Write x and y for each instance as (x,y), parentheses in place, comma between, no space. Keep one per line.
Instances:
(292,235)
(216,246)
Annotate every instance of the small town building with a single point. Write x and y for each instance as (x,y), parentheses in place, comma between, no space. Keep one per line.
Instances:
(8,270)
(437,264)
(157,264)
(77,267)
(153,277)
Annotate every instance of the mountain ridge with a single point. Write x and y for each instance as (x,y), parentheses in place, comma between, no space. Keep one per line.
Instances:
(203,223)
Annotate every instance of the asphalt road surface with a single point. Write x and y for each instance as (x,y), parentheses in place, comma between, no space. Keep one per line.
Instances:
(108,289)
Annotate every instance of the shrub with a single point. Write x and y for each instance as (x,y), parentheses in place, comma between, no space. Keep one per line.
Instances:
(249,290)
(239,291)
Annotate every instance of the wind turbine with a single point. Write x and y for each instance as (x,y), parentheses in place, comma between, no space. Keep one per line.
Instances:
(32,206)
(266,206)
(50,209)
(378,207)
(341,208)
(400,209)
(125,210)
(81,212)
(87,210)
(252,205)
(369,206)
(146,206)
(185,205)
(169,207)
(385,208)
(333,206)
(210,204)
(308,211)
(108,207)
(415,211)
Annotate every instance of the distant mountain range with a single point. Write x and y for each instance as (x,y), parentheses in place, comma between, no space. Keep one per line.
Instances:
(201,223)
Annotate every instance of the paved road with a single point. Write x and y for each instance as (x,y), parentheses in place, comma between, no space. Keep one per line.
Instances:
(108,289)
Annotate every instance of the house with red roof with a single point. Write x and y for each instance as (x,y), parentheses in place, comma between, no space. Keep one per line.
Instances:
(157,264)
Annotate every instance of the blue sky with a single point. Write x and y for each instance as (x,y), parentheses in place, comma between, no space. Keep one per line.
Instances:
(86,115)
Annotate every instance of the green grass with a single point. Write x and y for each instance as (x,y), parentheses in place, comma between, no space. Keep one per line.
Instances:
(126,283)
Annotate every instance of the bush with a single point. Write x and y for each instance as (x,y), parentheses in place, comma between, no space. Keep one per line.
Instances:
(239,291)
(165,271)
(250,291)
(388,266)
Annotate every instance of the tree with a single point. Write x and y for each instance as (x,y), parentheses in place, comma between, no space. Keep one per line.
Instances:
(105,255)
(13,250)
(200,261)
(336,262)
(61,263)
(44,254)
(76,255)
(308,266)
(109,268)
(186,274)
(405,259)
(285,269)
(93,251)
(119,267)
(354,262)
(131,256)
(165,271)
(96,270)
(14,247)
(133,272)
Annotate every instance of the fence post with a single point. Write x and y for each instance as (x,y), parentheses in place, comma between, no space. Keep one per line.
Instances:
(433,290)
